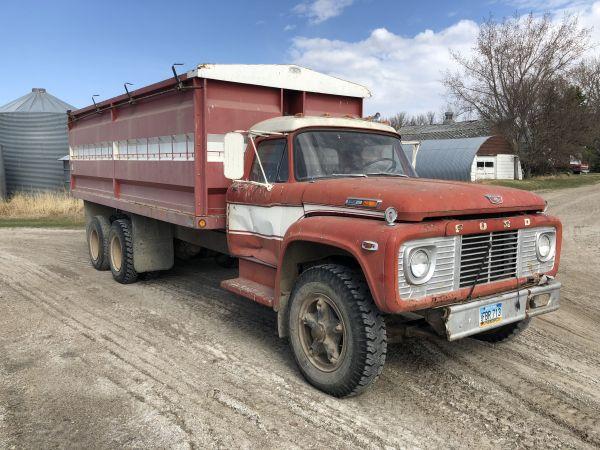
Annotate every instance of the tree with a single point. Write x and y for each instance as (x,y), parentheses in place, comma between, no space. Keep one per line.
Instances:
(516,62)
(587,77)
(422,119)
(398,120)
(402,119)
(430,117)
(562,127)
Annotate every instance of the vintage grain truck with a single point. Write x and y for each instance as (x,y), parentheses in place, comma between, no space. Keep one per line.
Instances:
(332,228)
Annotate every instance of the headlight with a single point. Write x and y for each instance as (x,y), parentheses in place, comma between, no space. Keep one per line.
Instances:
(419,264)
(545,246)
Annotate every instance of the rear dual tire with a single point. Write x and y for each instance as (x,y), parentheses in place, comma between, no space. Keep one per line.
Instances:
(97,231)
(120,252)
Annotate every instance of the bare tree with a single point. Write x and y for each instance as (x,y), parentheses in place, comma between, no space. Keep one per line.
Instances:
(402,119)
(587,77)
(430,117)
(514,63)
(398,120)
(562,127)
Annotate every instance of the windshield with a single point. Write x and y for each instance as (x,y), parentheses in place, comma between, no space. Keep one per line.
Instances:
(335,153)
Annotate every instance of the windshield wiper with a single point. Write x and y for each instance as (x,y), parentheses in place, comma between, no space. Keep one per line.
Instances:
(337,175)
(388,174)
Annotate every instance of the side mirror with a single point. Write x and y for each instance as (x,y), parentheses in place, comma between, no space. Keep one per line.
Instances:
(233,158)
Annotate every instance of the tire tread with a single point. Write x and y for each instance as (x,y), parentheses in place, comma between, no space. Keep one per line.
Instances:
(128,275)
(372,344)
(103,225)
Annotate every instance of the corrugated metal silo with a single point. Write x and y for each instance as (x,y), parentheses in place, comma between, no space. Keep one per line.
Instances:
(2,179)
(33,135)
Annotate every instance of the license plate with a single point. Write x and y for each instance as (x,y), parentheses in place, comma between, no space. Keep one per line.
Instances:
(490,314)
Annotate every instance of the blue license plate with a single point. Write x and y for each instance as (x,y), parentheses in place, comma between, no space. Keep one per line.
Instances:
(490,314)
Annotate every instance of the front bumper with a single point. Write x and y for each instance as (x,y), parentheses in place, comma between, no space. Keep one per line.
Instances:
(463,319)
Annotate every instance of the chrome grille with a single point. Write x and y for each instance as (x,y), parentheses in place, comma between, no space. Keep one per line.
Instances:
(509,254)
(491,255)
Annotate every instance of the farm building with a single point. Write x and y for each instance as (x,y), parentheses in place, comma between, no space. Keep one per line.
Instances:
(33,135)
(466,151)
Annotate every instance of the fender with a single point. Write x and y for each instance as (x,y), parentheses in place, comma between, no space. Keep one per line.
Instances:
(347,234)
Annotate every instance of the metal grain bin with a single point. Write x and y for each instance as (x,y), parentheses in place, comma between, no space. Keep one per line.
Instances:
(33,135)
(2,180)
(66,164)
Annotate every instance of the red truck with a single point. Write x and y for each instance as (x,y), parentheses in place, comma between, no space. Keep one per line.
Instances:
(272,165)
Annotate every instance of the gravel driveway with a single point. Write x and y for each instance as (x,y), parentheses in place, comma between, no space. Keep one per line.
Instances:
(178,362)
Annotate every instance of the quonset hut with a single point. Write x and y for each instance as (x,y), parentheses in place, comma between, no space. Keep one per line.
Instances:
(33,136)
(465,151)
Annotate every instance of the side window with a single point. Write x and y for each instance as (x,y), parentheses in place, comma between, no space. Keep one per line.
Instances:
(274,157)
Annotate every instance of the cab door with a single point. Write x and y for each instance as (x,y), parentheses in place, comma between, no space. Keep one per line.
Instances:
(258,217)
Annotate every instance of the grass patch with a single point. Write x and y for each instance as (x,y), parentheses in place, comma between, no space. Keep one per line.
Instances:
(43,209)
(45,222)
(548,182)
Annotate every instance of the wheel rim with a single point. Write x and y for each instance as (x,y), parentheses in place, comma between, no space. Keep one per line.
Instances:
(115,253)
(322,332)
(94,245)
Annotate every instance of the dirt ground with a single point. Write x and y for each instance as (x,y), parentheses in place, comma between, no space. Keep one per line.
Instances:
(177,362)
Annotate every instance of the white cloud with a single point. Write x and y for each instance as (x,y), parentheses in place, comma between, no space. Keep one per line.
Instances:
(289,27)
(405,73)
(589,17)
(402,73)
(319,11)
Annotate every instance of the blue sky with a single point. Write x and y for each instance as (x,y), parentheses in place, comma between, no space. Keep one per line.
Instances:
(399,49)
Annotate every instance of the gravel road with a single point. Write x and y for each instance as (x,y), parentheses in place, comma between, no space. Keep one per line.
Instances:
(176,361)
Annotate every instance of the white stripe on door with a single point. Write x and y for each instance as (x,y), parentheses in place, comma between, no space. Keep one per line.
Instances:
(268,221)
(272,222)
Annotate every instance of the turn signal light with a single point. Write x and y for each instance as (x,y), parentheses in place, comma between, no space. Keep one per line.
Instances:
(370,203)
(363,202)
(202,223)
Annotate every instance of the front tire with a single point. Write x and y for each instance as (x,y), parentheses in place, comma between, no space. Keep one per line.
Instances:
(97,239)
(336,332)
(120,250)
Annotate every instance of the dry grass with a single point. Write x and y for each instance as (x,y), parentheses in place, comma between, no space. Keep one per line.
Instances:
(41,209)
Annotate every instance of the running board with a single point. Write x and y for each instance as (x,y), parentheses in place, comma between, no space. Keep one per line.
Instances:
(250,289)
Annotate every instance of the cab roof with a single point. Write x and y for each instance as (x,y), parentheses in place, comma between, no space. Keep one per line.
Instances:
(287,124)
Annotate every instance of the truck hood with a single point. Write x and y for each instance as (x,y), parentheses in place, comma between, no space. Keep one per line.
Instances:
(417,199)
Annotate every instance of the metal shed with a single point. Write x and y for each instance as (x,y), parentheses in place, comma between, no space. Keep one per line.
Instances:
(466,159)
(33,135)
